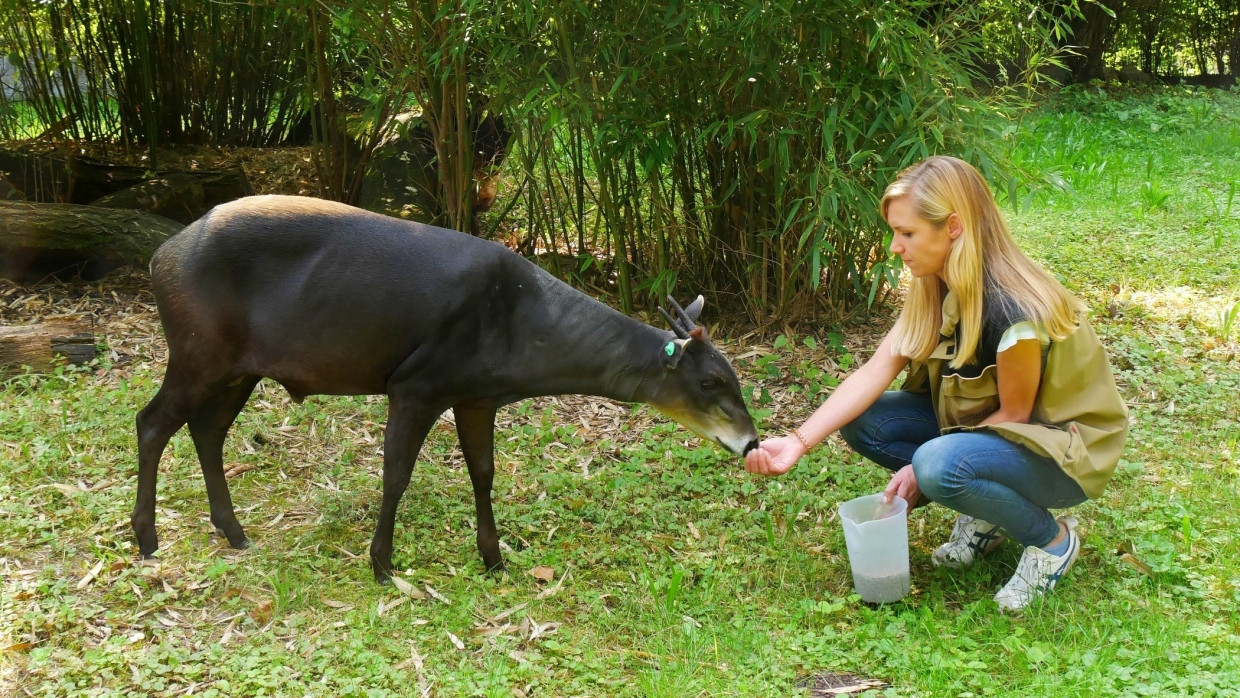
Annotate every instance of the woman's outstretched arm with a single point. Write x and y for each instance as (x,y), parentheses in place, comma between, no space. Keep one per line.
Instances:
(849,399)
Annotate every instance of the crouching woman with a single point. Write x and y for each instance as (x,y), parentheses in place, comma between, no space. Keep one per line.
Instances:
(1009,409)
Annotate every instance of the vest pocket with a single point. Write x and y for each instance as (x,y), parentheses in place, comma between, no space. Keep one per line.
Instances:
(963,402)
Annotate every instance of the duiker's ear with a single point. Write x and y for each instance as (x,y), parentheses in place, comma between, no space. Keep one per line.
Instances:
(674,351)
(695,308)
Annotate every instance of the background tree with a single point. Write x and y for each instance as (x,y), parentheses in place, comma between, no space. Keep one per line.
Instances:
(145,73)
(740,146)
(1211,33)
(1091,36)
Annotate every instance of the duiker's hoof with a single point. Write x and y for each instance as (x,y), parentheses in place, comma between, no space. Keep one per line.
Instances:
(237,542)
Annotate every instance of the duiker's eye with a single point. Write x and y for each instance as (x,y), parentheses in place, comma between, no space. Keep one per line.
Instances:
(710,385)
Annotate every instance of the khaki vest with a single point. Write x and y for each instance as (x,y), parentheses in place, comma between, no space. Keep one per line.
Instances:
(1079,418)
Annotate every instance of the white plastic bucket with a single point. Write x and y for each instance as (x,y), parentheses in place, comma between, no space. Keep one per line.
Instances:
(877,539)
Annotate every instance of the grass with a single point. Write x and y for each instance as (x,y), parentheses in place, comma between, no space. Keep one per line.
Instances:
(673,573)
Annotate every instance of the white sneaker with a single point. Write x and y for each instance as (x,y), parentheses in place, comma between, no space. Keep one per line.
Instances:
(1038,571)
(971,538)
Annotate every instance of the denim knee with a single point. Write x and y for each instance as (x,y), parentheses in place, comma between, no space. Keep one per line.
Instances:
(892,428)
(937,470)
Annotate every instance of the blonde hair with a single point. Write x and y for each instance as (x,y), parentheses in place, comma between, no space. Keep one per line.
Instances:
(984,255)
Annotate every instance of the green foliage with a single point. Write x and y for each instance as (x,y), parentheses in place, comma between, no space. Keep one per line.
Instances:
(725,146)
(741,146)
(141,72)
(1101,147)
(1227,319)
(1176,37)
(735,146)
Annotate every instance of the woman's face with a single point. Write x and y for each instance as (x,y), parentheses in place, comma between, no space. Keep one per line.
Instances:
(922,245)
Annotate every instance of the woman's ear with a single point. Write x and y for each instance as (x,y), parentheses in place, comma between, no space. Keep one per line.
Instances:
(954,226)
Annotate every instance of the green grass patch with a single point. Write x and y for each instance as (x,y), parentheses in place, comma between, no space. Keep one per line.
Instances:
(673,572)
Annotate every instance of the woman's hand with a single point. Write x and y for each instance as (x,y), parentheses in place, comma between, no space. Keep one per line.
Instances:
(853,396)
(903,484)
(775,456)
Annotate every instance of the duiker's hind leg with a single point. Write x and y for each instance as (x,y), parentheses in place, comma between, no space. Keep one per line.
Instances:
(409,421)
(208,427)
(475,427)
(167,412)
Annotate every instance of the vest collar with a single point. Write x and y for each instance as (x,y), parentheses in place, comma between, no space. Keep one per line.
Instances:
(951,315)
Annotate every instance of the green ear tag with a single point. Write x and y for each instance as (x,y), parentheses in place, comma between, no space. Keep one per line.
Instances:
(670,348)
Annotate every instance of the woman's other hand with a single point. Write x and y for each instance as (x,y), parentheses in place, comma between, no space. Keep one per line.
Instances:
(903,484)
(775,456)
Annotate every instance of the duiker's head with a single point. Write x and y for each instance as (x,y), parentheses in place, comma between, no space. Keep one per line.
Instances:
(700,390)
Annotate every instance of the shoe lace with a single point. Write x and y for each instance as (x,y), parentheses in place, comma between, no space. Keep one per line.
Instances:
(969,533)
(982,538)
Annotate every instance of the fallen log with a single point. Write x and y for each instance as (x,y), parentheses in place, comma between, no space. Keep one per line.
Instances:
(64,240)
(77,179)
(41,348)
(177,196)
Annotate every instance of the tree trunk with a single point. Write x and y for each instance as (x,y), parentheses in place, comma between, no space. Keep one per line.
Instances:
(1149,27)
(40,348)
(40,240)
(1234,49)
(1091,35)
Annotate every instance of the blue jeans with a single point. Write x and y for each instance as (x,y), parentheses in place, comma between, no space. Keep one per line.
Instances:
(978,473)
